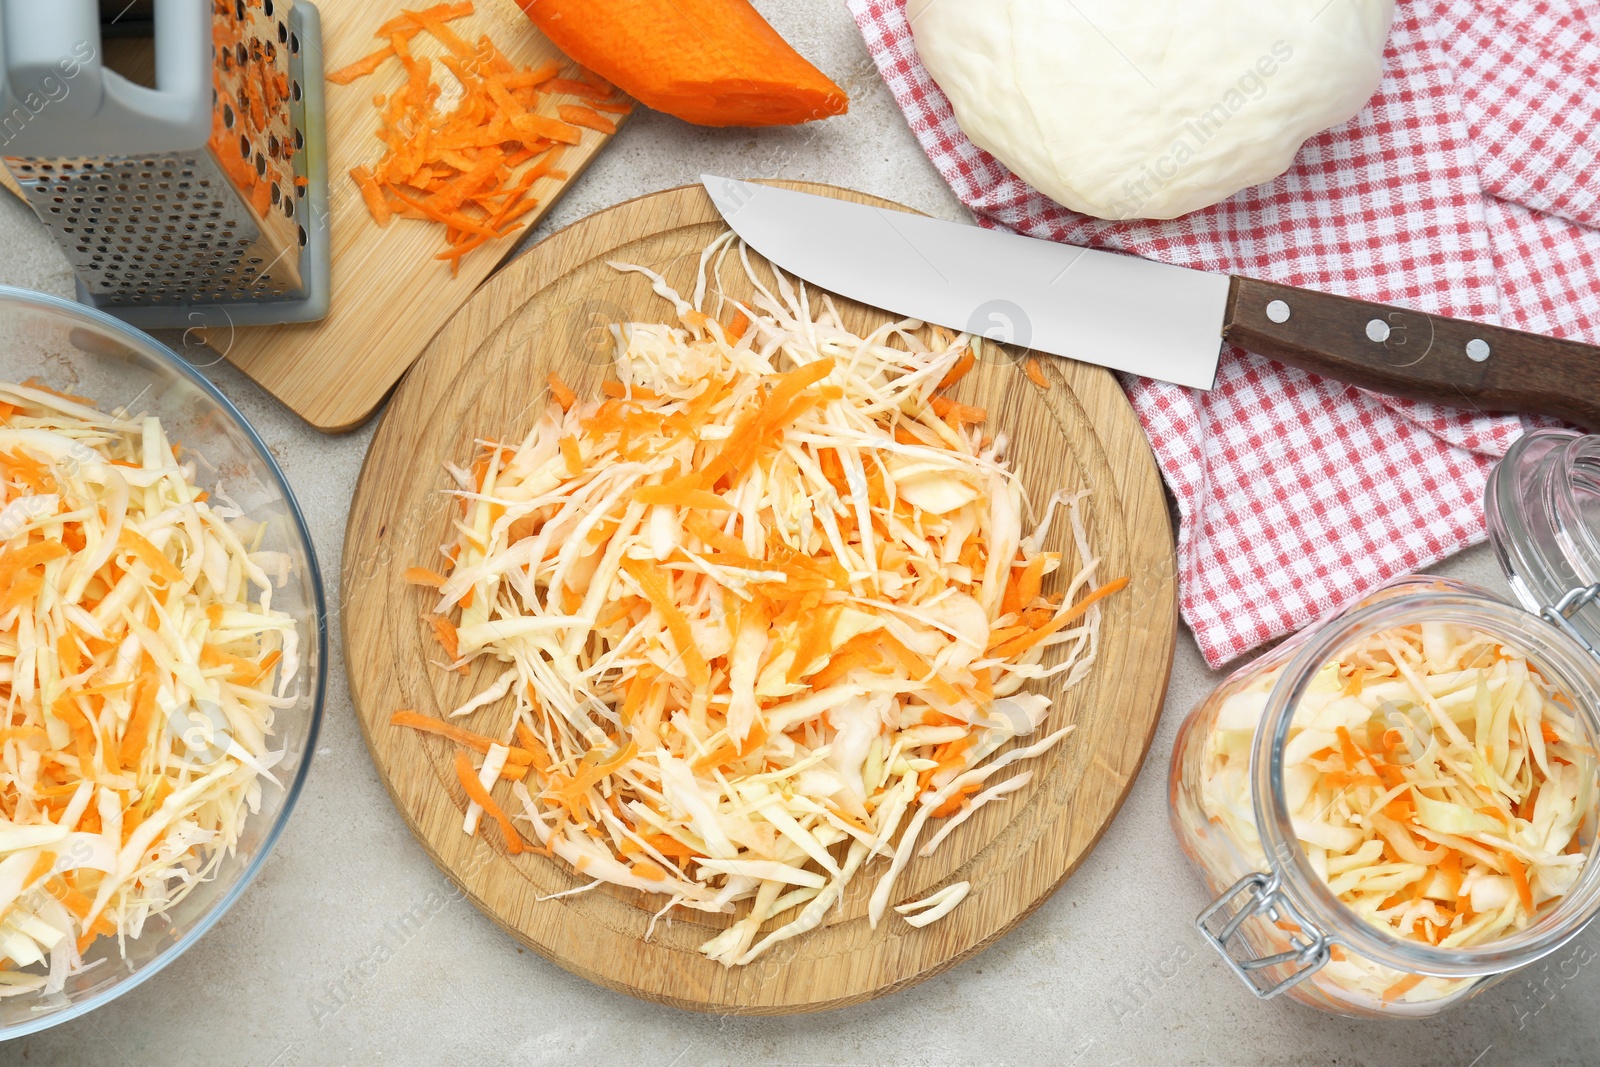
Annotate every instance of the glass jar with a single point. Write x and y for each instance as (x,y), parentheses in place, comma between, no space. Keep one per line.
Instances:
(1276,920)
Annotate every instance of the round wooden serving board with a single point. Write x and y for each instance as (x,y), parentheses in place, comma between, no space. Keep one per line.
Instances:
(483,377)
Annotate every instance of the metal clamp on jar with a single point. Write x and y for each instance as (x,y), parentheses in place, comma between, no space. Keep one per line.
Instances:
(1398,807)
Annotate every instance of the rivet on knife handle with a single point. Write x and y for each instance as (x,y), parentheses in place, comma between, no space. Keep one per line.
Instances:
(1412,354)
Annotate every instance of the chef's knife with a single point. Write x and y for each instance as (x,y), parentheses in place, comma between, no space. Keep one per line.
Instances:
(1148,318)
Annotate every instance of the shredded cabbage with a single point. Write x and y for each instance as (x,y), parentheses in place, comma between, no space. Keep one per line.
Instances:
(1436,781)
(769,607)
(138,650)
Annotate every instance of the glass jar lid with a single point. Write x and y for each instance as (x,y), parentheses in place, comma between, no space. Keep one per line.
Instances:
(1542,504)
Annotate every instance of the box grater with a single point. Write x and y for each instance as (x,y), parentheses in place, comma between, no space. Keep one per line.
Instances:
(200,201)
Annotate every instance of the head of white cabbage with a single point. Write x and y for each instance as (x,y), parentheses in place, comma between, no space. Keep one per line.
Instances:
(1150,108)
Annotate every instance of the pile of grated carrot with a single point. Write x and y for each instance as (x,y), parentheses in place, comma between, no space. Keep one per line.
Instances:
(762,612)
(461,167)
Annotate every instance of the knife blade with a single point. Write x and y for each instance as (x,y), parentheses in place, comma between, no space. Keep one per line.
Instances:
(1121,312)
(1147,318)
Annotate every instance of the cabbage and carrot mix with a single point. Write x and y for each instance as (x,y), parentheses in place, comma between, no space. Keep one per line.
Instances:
(762,612)
(138,654)
(1437,782)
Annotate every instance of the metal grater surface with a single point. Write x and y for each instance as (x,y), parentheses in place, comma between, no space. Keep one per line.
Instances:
(222,225)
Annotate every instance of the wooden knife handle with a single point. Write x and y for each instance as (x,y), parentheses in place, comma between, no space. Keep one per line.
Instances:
(1412,354)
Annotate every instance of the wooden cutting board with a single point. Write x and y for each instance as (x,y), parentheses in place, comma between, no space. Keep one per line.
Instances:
(482,377)
(390,295)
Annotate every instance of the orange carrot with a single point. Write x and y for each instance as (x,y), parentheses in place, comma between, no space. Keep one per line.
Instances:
(361,67)
(14,561)
(577,88)
(711,62)
(40,868)
(569,792)
(1020,645)
(1402,987)
(738,451)
(1035,373)
(468,777)
(133,541)
(445,632)
(137,733)
(372,194)
(1030,581)
(674,496)
(455,168)
(423,576)
(1519,876)
(521,757)
(842,664)
(412,20)
(654,586)
(563,395)
(579,115)
(949,410)
(957,372)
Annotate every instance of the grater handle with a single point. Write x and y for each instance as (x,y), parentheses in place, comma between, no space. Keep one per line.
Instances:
(53,52)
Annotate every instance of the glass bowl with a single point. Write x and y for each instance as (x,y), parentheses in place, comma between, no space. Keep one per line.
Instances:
(78,350)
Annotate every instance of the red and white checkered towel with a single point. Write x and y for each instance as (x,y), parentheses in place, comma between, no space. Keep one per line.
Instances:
(1468,187)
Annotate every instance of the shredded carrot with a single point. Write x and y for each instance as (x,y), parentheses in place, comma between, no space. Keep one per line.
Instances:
(137,734)
(579,115)
(654,588)
(361,67)
(1035,373)
(675,496)
(467,775)
(423,576)
(459,168)
(1519,876)
(957,372)
(445,632)
(451,732)
(537,757)
(558,389)
(1065,618)
(953,412)
(1402,987)
(578,88)
(571,456)
(1030,582)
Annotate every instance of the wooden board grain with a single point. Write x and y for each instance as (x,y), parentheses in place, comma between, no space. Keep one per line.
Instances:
(482,377)
(390,295)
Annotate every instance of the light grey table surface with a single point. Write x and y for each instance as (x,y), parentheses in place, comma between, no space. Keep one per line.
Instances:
(308,968)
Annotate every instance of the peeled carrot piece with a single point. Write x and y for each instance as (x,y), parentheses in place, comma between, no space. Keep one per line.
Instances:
(710,62)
